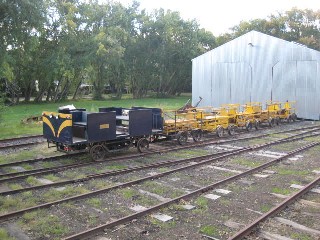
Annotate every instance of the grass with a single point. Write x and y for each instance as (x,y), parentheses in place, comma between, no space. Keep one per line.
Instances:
(209,230)
(289,172)
(282,191)
(44,225)
(53,194)
(4,235)
(10,203)
(11,120)
(202,203)
(94,202)
(128,193)
(301,236)
(265,208)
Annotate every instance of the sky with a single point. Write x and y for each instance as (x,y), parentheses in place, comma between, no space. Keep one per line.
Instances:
(219,16)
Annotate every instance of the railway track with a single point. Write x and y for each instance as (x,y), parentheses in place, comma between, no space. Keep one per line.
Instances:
(252,227)
(126,219)
(20,141)
(201,161)
(36,172)
(194,163)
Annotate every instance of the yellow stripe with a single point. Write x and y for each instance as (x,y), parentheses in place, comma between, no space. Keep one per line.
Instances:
(66,123)
(47,121)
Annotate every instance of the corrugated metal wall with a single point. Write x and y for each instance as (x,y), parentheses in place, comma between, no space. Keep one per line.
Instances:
(258,67)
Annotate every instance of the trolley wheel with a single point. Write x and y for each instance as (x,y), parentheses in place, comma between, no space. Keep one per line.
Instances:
(256,124)
(271,122)
(196,135)
(97,152)
(277,120)
(294,117)
(289,119)
(142,145)
(248,125)
(219,131)
(182,137)
(231,130)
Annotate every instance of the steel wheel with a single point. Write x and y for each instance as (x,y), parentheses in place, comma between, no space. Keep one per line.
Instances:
(182,137)
(277,120)
(294,117)
(97,152)
(248,125)
(256,124)
(142,145)
(271,122)
(231,130)
(219,131)
(196,135)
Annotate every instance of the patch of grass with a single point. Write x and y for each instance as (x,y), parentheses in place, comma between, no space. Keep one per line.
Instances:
(48,164)
(283,171)
(245,162)
(154,187)
(92,220)
(115,167)
(265,208)
(99,184)
(10,203)
(146,201)
(15,186)
(209,230)
(32,181)
(94,202)
(202,203)
(164,225)
(73,174)
(164,169)
(52,177)
(44,225)
(301,236)
(281,191)
(53,194)
(4,235)
(27,166)
(128,193)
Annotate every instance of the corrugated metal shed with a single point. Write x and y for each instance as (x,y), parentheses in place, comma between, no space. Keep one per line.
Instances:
(257,67)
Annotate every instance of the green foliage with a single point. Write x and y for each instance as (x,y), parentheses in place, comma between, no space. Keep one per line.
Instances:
(294,25)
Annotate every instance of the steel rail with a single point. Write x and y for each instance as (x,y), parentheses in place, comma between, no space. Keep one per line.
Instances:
(90,232)
(130,183)
(19,138)
(138,168)
(248,229)
(34,160)
(41,171)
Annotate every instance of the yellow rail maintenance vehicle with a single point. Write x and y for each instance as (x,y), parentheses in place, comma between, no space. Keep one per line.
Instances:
(287,111)
(212,120)
(270,114)
(246,118)
(181,125)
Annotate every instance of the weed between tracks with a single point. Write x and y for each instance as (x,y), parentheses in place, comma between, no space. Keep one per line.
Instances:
(4,235)
(43,225)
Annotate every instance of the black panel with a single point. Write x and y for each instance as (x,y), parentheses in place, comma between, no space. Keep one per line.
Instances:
(111,109)
(101,126)
(140,122)
(157,119)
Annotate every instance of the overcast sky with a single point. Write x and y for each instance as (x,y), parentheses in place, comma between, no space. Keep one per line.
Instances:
(219,16)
